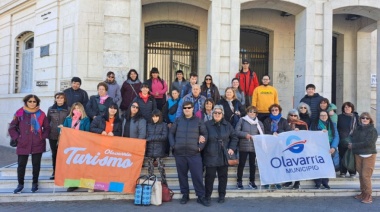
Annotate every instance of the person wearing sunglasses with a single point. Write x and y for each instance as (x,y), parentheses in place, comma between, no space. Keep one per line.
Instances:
(304,113)
(324,123)
(222,140)
(364,149)
(30,127)
(113,87)
(348,121)
(209,89)
(133,122)
(296,124)
(188,137)
(264,96)
(247,127)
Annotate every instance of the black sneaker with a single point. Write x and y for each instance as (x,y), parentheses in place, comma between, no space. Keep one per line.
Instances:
(286,185)
(185,199)
(296,186)
(34,188)
(252,185)
(221,200)
(317,187)
(52,176)
(18,189)
(239,185)
(203,201)
(326,187)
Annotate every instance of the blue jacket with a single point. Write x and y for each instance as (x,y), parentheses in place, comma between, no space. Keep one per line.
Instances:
(84,123)
(198,103)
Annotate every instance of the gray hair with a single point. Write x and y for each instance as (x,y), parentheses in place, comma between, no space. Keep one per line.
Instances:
(220,107)
(303,104)
(294,112)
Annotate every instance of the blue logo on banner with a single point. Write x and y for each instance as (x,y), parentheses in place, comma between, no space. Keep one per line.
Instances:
(296,147)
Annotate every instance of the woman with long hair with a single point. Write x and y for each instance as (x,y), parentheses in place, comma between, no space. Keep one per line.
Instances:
(157,87)
(207,109)
(133,122)
(233,109)
(30,127)
(109,124)
(130,89)
(235,84)
(209,89)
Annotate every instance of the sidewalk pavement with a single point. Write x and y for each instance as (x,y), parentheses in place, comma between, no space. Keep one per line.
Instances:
(7,156)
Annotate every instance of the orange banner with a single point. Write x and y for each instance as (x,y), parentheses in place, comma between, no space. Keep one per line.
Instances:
(94,161)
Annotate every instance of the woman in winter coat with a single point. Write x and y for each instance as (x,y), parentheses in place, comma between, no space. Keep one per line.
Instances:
(207,109)
(113,88)
(304,113)
(133,123)
(364,149)
(233,109)
(77,120)
(108,124)
(247,127)
(209,89)
(146,102)
(325,124)
(158,88)
(222,140)
(98,104)
(30,127)
(348,121)
(325,104)
(156,144)
(56,116)
(130,89)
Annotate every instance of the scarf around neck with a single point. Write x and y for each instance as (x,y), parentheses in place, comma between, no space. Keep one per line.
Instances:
(103,99)
(36,120)
(275,121)
(325,126)
(254,122)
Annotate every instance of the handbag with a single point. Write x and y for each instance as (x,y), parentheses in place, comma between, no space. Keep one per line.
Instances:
(233,160)
(143,191)
(167,193)
(348,161)
(156,196)
(345,141)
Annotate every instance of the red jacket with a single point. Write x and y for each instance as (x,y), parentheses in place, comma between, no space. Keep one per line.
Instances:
(248,81)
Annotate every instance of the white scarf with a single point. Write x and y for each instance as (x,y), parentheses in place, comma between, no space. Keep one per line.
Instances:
(256,121)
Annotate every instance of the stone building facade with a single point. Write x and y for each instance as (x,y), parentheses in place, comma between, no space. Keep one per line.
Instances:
(331,43)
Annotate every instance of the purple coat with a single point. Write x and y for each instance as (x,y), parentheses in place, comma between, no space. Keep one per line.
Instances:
(28,142)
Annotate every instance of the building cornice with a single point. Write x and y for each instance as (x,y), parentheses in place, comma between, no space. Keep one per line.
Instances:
(15,5)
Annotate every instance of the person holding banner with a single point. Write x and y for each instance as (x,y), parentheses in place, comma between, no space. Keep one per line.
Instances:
(325,124)
(78,120)
(274,125)
(30,127)
(222,140)
(248,126)
(109,123)
(156,145)
(364,149)
(133,122)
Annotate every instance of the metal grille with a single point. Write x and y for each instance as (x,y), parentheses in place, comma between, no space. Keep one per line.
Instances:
(254,46)
(171,47)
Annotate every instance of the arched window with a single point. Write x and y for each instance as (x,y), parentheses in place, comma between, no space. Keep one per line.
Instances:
(24,63)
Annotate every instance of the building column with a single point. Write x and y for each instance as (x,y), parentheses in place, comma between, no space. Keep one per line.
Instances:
(377,81)
(363,73)
(327,50)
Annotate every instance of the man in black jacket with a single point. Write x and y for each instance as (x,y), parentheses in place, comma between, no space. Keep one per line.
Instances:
(187,138)
(312,99)
(75,93)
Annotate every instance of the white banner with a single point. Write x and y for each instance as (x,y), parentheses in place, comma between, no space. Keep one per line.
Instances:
(292,156)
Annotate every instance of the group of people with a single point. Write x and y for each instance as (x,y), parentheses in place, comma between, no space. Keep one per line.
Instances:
(200,127)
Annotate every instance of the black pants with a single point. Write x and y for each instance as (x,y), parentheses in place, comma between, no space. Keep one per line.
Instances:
(195,165)
(263,116)
(222,178)
(160,103)
(323,181)
(252,165)
(248,100)
(54,148)
(342,151)
(22,161)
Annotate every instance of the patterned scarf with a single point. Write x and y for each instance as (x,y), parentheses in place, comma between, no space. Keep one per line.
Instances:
(325,126)
(36,119)
(274,123)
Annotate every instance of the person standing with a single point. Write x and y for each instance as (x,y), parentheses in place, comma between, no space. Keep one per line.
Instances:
(113,87)
(187,89)
(98,104)
(130,89)
(108,124)
(364,148)
(30,127)
(56,116)
(263,97)
(187,137)
(209,89)
(235,84)
(179,82)
(248,81)
(312,99)
(304,112)
(147,103)
(196,98)
(133,123)
(233,109)
(222,140)
(157,87)
(75,93)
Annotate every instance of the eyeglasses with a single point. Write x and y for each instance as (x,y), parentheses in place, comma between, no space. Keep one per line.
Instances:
(187,108)
(217,113)
(252,111)
(208,79)
(366,118)
(32,101)
(293,115)
(303,108)
(111,76)
(274,110)
(134,106)
(245,63)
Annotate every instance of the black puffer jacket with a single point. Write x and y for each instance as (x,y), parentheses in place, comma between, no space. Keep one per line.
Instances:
(92,107)
(283,126)
(184,136)
(213,155)
(157,140)
(228,113)
(146,108)
(243,128)
(313,102)
(56,117)
(364,140)
(98,125)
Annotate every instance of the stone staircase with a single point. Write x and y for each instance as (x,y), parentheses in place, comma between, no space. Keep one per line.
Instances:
(49,192)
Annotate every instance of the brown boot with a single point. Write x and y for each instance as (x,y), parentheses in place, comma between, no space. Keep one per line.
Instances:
(359,196)
(367,199)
